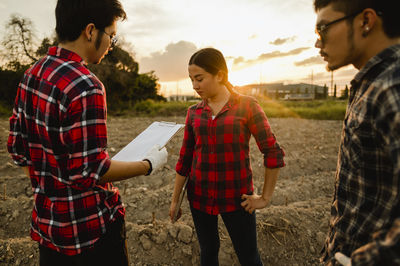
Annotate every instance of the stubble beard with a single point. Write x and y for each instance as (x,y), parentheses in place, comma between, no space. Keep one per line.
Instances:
(97,46)
(350,52)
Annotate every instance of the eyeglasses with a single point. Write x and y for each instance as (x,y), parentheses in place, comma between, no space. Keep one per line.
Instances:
(321,30)
(113,39)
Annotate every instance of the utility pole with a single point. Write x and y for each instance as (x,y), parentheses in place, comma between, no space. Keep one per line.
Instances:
(331,80)
(312,83)
(177,91)
(312,78)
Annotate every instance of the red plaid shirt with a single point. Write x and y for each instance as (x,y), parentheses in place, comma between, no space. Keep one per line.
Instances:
(215,153)
(58,129)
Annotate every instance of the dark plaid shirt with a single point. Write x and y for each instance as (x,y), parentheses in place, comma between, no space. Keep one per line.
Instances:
(215,153)
(365,213)
(58,129)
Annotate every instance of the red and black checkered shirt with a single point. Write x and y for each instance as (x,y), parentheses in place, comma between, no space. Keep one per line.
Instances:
(58,129)
(215,153)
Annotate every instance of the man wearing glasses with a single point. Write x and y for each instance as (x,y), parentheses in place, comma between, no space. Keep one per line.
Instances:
(365,212)
(58,135)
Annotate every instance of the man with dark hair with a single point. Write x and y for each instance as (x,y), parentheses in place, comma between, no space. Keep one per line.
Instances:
(365,212)
(58,135)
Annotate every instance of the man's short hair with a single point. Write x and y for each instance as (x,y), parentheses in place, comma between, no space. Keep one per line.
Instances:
(72,16)
(388,10)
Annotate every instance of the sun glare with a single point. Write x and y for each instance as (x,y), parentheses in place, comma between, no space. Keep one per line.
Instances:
(245,76)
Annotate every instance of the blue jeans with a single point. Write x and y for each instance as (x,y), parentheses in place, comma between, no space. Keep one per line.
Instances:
(241,227)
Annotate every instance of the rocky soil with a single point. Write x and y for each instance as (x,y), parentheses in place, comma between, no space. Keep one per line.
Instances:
(291,230)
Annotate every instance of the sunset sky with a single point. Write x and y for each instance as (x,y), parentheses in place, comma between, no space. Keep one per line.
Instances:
(263,41)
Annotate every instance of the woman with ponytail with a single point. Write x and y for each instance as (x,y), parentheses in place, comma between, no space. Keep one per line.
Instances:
(215,157)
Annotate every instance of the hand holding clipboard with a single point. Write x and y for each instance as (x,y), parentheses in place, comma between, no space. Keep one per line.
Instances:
(158,133)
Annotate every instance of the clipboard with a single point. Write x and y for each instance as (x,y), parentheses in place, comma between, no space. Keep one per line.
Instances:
(181,196)
(157,133)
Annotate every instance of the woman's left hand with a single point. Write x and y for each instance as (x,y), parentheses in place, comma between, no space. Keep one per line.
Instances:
(252,202)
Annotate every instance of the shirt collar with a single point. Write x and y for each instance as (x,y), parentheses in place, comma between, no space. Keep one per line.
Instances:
(233,98)
(390,52)
(65,54)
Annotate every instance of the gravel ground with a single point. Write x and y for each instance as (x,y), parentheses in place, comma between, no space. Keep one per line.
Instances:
(291,230)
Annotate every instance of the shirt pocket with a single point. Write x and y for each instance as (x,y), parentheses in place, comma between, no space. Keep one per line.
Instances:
(352,135)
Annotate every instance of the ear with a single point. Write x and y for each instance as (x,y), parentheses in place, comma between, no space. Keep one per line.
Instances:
(368,20)
(220,76)
(89,31)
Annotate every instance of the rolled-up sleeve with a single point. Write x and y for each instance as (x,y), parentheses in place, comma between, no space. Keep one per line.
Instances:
(383,250)
(15,143)
(266,141)
(85,134)
(184,163)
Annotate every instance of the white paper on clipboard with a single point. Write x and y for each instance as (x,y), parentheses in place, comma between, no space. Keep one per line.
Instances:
(157,133)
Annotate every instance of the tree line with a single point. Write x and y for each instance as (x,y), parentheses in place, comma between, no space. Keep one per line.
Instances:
(118,71)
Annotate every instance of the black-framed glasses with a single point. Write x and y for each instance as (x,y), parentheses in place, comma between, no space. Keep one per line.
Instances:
(113,39)
(321,30)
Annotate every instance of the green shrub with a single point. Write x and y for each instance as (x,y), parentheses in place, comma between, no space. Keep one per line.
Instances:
(318,109)
(145,107)
(5,111)
(160,108)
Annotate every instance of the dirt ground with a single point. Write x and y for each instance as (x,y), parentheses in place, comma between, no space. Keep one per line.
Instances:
(291,230)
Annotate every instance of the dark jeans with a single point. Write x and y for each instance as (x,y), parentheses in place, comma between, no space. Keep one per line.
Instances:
(241,227)
(110,249)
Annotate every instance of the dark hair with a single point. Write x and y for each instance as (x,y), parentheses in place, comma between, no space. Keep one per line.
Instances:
(72,16)
(212,61)
(387,9)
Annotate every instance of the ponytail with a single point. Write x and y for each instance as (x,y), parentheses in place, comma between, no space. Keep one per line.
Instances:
(229,86)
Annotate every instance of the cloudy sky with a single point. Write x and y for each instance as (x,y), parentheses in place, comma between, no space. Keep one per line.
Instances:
(263,40)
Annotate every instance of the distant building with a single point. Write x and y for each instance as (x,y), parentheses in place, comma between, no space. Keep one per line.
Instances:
(301,91)
(182,98)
